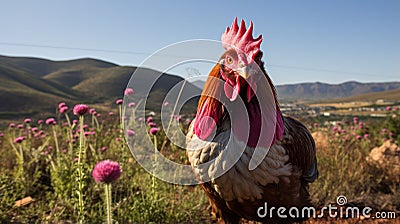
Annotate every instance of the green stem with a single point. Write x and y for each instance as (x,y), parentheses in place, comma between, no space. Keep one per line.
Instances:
(107,188)
(81,205)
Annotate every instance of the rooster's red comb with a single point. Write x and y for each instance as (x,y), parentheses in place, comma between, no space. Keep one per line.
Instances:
(241,38)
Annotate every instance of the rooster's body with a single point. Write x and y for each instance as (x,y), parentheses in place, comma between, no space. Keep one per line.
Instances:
(246,154)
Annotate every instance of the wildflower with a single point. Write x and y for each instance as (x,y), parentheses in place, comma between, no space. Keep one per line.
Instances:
(104,148)
(80,109)
(111,113)
(118,102)
(360,124)
(20,126)
(384,130)
(149,119)
(130,132)
(179,118)
(19,139)
(64,151)
(27,120)
(98,115)
(335,128)
(166,104)
(1,134)
(355,120)
(128,92)
(117,139)
(131,104)
(358,137)
(92,111)
(40,121)
(74,121)
(106,171)
(63,109)
(76,159)
(49,147)
(366,135)
(152,124)
(388,108)
(50,121)
(61,105)
(140,119)
(391,134)
(153,131)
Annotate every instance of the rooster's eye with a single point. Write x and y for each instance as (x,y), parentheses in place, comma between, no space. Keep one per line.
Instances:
(229,60)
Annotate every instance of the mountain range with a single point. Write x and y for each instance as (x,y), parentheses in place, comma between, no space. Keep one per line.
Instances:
(31,86)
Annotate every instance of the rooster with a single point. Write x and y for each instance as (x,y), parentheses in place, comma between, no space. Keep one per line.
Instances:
(246,154)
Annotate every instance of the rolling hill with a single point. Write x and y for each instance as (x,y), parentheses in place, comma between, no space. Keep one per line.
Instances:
(322,91)
(32,86)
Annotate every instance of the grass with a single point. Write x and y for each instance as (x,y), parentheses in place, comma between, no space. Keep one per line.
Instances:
(43,167)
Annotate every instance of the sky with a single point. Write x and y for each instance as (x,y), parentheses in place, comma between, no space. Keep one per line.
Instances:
(303,41)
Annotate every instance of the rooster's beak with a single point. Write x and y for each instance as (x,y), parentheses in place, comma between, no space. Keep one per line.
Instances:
(246,70)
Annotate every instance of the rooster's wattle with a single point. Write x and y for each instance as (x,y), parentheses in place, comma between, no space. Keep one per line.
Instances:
(242,149)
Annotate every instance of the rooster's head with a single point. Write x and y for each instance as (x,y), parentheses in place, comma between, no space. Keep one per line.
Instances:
(240,64)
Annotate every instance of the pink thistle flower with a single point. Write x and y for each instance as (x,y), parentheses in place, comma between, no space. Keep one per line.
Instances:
(128,92)
(65,124)
(50,121)
(179,118)
(335,129)
(152,124)
(388,108)
(166,104)
(34,129)
(118,102)
(46,152)
(63,109)
(366,135)
(111,113)
(27,120)
(140,119)
(149,119)
(1,134)
(40,121)
(75,121)
(358,137)
(80,109)
(104,148)
(76,159)
(64,151)
(49,147)
(11,125)
(391,134)
(98,115)
(106,171)
(384,130)
(130,132)
(355,120)
(153,131)
(132,104)
(20,126)
(92,111)
(61,105)
(19,139)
